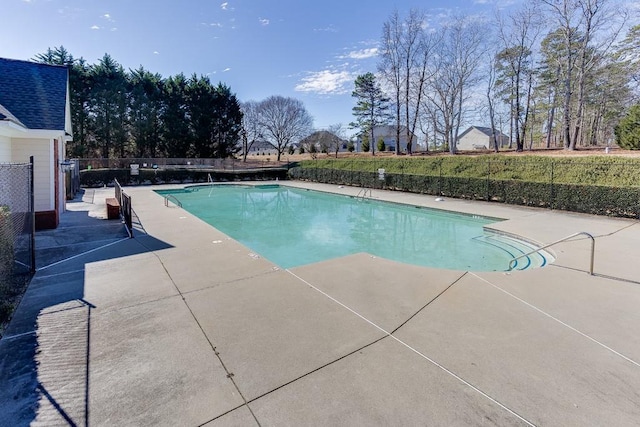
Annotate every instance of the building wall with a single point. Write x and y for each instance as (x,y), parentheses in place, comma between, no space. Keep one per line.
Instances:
(473,140)
(389,140)
(5,149)
(43,168)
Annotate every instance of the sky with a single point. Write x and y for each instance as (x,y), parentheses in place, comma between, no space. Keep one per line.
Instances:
(303,49)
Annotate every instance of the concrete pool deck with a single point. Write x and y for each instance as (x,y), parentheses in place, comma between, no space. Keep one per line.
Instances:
(184,326)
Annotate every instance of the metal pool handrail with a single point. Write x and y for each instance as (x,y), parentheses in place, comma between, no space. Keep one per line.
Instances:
(362,194)
(175,200)
(593,248)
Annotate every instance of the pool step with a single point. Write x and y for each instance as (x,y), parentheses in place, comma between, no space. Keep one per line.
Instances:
(514,248)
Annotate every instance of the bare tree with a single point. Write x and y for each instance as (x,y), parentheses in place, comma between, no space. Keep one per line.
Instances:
(391,65)
(250,132)
(581,22)
(565,13)
(336,137)
(596,15)
(490,105)
(406,50)
(518,34)
(458,57)
(282,121)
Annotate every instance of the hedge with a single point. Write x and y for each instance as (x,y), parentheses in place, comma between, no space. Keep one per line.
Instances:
(594,199)
(596,170)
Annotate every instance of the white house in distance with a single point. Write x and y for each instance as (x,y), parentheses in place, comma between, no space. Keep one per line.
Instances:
(480,138)
(388,134)
(324,139)
(35,120)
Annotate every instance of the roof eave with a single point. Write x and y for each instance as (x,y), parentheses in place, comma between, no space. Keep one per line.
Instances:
(12,128)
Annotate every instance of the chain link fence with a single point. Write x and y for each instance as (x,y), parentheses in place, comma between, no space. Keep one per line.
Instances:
(17,232)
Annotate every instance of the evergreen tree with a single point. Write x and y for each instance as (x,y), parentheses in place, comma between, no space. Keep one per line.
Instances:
(628,130)
(145,91)
(372,105)
(176,133)
(108,105)
(227,122)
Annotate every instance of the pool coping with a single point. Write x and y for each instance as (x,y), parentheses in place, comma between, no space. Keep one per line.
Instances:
(152,330)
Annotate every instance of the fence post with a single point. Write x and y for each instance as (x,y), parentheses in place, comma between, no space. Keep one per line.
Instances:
(553,195)
(32,202)
(488,178)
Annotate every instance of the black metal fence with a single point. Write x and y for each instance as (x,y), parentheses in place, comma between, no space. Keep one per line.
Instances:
(126,209)
(183,163)
(600,188)
(72,178)
(17,219)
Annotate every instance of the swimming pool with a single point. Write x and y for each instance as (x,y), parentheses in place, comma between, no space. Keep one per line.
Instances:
(293,227)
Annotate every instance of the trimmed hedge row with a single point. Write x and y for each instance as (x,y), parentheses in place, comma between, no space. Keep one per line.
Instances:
(105,177)
(592,199)
(593,170)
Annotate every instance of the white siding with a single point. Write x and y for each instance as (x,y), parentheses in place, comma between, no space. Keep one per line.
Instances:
(42,152)
(5,149)
(62,188)
(473,140)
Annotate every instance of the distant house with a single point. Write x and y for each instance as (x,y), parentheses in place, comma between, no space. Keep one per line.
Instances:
(389,135)
(480,138)
(262,148)
(324,140)
(35,120)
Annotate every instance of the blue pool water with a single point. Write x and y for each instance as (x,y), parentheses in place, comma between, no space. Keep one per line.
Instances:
(293,227)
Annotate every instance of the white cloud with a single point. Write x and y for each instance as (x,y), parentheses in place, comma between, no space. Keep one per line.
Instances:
(224,5)
(226,69)
(95,27)
(326,82)
(328,29)
(263,21)
(361,54)
(155,52)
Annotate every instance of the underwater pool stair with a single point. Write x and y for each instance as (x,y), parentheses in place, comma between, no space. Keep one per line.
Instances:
(526,255)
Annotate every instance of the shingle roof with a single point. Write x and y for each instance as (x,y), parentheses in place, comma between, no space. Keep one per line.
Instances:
(6,115)
(487,131)
(33,94)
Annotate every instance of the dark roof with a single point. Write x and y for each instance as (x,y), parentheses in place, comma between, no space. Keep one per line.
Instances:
(321,136)
(33,94)
(485,130)
(6,115)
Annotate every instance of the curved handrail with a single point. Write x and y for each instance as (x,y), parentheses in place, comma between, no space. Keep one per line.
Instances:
(362,194)
(593,248)
(175,200)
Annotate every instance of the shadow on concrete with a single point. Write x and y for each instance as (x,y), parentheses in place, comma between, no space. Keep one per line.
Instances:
(44,354)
